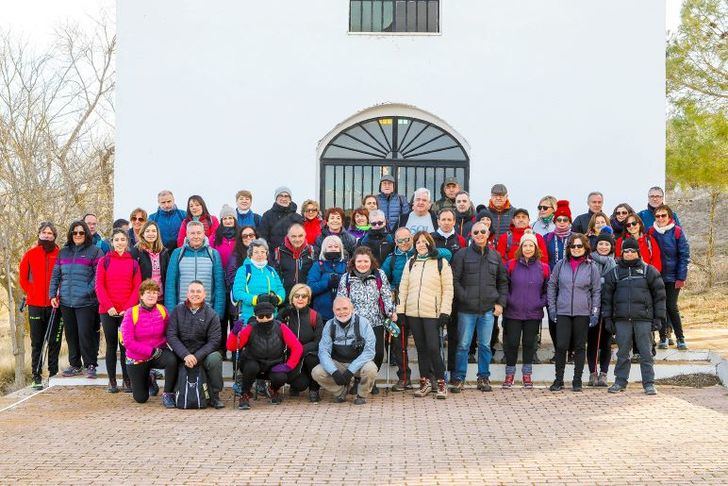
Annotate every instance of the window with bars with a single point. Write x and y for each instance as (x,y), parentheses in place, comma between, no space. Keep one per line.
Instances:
(415,152)
(394,16)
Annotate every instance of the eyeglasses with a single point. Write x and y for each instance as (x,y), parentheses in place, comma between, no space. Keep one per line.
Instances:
(78,233)
(543,208)
(661,215)
(284,195)
(403,240)
(248,235)
(300,296)
(264,316)
(621,213)
(656,196)
(629,250)
(576,246)
(561,219)
(312,210)
(480,232)
(633,223)
(376,223)
(139,218)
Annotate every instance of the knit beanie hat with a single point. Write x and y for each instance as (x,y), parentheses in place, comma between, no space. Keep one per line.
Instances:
(226,212)
(630,243)
(606,235)
(528,237)
(264,308)
(281,190)
(562,209)
(484,213)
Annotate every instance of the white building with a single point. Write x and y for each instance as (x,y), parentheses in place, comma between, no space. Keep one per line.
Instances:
(559,97)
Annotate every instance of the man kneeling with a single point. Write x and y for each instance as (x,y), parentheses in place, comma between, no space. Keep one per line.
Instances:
(346,350)
(264,343)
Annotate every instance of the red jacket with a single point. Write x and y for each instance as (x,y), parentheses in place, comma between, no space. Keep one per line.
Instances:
(117,282)
(649,250)
(509,252)
(313,229)
(238,341)
(36,268)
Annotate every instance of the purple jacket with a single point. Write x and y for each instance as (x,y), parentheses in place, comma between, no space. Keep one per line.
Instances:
(527,282)
(575,293)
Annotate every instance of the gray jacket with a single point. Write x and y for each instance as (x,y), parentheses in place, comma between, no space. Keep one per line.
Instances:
(346,336)
(574,293)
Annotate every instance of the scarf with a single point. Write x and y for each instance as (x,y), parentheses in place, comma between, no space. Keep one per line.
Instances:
(506,206)
(664,229)
(259,265)
(228,232)
(363,275)
(445,235)
(332,256)
(366,227)
(47,245)
(564,233)
(575,262)
(547,220)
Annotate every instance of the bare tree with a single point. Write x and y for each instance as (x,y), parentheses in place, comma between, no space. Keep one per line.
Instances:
(56,143)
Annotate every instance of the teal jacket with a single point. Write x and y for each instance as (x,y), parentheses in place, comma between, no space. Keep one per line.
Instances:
(250,282)
(187,264)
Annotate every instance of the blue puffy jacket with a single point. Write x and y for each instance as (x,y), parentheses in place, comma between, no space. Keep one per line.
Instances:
(74,275)
(674,252)
(187,264)
(251,281)
(322,287)
(648,217)
(394,206)
(169,223)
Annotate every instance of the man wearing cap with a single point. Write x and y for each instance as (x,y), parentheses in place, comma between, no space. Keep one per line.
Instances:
(420,218)
(508,242)
(270,351)
(394,205)
(275,222)
(501,210)
(595,201)
(346,351)
(633,306)
(245,215)
(448,190)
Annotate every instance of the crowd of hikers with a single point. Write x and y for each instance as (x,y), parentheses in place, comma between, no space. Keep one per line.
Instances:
(317,298)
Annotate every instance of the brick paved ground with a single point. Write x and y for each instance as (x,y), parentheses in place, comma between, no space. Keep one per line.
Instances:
(83,435)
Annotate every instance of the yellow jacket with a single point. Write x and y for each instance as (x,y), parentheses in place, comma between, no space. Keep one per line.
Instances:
(424,291)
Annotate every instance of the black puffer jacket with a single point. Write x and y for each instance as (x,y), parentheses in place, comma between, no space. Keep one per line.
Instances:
(480,280)
(381,243)
(145,262)
(275,223)
(633,291)
(197,334)
(292,267)
(306,329)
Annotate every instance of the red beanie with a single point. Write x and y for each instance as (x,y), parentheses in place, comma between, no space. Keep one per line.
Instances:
(562,209)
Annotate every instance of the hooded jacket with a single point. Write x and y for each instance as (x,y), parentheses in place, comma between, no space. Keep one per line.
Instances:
(74,274)
(633,291)
(464,222)
(425,291)
(117,282)
(275,222)
(648,217)
(479,279)
(292,264)
(34,276)
(187,264)
(251,281)
(501,218)
(574,293)
(169,223)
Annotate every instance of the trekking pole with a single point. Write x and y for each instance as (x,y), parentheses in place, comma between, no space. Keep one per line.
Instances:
(596,355)
(442,346)
(389,360)
(45,347)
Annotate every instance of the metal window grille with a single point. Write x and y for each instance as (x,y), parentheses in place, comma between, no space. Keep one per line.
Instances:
(394,16)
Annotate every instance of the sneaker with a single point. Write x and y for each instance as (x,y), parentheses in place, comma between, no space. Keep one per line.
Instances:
(635,358)
(215,401)
(91,372)
(153,386)
(508,382)
(617,387)
(314,396)
(359,400)
(37,383)
(112,388)
(441,390)
(484,384)
(472,359)
(650,389)
(168,400)
(425,388)
(375,390)
(275,396)
(402,385)
(593,377)
(244,401)
(72,371)
(557,385)
(457,386)
(671,341)
(527,383)
(576,386)
(681,344)
(663,344)
(602,380)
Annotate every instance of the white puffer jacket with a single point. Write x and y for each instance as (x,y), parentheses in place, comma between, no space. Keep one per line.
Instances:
(424,291)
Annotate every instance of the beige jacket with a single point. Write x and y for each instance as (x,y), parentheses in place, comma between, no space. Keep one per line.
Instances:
(424,292)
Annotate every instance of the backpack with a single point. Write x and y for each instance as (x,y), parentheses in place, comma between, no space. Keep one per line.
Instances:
(378,279)
(678,232)
(413,259)
(191,392)
(135,317)
(358,344)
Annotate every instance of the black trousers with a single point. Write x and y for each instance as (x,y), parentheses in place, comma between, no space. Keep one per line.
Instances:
(493,336)
(598,348)
(251,370)
(452,341)
(673,313)
(379,346)
(111,325)
(40,319)
(427,341)
(81,335)
(139,375)
(515,332)
(568,329)
(303,380)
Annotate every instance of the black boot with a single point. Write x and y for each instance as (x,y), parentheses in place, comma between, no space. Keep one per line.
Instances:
(557,385)
(215,401)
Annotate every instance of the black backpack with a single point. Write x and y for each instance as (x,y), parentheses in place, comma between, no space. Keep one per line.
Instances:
(191,390)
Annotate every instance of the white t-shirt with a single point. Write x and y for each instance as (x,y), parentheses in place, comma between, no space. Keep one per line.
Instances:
(420,223)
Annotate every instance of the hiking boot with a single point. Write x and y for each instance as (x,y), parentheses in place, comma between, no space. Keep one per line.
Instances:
(112,388)
(484,384)
(275,396)
(168,400)
(244,401)
(215,401)
(527,383)
(441,390)
(91,372)
(593,377)
(359,400)
(635,358)
(375,390)
(314,396)
(557,385)
(472,359)
(576,386)
(354,386)
(457,386)
(37,383)
(72,371)
(681,344)
(602,380)
(508,382)
(153,386)
(650,389)
(402,385)
(425,388)
(663,344)
(617,387)
(126,388)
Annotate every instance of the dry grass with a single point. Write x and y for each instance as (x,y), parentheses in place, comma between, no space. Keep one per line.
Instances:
(704,309)
(694,380)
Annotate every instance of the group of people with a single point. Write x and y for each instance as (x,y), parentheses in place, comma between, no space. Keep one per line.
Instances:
(315,299)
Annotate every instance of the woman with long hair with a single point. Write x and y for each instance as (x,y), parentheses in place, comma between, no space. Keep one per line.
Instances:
(152,256)
(197,211)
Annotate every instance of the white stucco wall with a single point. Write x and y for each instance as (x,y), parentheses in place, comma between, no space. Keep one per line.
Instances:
(558,96)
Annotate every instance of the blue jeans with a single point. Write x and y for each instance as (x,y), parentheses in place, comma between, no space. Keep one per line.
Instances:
(466,326)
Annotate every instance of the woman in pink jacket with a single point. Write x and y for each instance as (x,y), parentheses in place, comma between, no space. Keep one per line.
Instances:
(117,283)
(144,333)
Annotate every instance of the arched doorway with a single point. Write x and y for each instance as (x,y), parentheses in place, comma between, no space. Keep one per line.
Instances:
(418,153)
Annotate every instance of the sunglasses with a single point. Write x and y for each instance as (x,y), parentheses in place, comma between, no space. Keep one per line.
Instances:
(633,223)
(480,232)
(300,296)
(264,316)
(312,210)
(543,208)
(139,218)
(78,233)
(377,223)
(662,215)
(248,235)
(562,220)
(629,250)
(403,240)
(576,246)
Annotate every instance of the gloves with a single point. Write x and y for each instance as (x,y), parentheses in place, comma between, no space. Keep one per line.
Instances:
(679,284)
(281,368)
(656,324)
(593,321)
(238,327)
(609,327)
(348,375)
(339,379)
(334,279)
(444,319)
(275,300)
